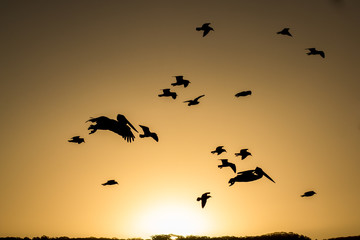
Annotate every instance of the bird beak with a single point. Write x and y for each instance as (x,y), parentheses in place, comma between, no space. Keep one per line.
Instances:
(268,177)
(131,125)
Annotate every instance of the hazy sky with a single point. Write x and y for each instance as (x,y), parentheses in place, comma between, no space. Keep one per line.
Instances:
(62,62)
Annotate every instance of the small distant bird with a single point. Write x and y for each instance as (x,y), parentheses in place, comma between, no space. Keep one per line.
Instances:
(77,139)
(194,101)
(225,163)
(203,199)
(243,94)
(110,182)
(308,194)
(218,150)
(313,51)
(147,133)
(285,31)
(243,153)
(181,81)
(168,93)
(206,28)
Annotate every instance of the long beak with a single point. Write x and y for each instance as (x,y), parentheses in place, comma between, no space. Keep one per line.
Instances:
(131,125)
(268,177)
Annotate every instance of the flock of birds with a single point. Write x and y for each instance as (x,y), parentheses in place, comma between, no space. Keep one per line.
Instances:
(123,127)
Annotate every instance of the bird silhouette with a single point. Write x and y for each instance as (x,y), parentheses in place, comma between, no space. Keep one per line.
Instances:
(181,81)
(110,182)
(168,93)
(206,28)
(243,153)
(243,94)
(285,31)
(77,139)
(313,51)
(218,150)
(225,163)
(194,101)
(249,175)
(308,194)
(147,133)
(203,199)
(120,126)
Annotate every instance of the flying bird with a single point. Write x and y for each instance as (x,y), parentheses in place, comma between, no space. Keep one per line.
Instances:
(147,133)
(313,51)
(168,93)
(219,150)
(243,153)
(243,94)
(194,101)
(285,31)
(249,175)
(308,194)
(181,81)
(203,199)
(120,126)
(206,28)
(110,182)
(226,163)
(77,139)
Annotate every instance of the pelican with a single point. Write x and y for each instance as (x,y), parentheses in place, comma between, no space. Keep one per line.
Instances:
(120,126)
(308,194)
(243,153)
(181,81)
(147,133)
(77,139)
(110,182)
(219,150)
(226,163)
(194,101)
(313,51)
(206,28)
(285,31)
(168,93)
(203,199)
(249,175)
(243,94)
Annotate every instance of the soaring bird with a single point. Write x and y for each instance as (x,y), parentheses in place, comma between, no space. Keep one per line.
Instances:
(249,175)
(225,163)
(218,150)
(120,126)
(168,93)
(194,101)
(308,194)
(110,182)
(77,139)
(285,31)
(243,153)
(147,133)
(313,51)
(206,28)
(181,81)
(203,199)
(243,94)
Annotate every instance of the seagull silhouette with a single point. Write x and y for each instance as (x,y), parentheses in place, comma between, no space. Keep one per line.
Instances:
(168,93)
(194,101)
(225,163)
(243,94)
(308,194)
(110,182)
(181,81)
(206,28)
(313,51)
(285,31)
(218,150)
(249,175)
(120,126)
(147,133)
(203,199)
(77,139)
(243,153)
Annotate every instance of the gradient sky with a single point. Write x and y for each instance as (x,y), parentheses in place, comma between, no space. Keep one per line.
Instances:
(63,62)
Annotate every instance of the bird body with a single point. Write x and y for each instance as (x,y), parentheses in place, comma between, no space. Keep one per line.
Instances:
(168,93)
(243,94)
(194,101)
(181,81)
(77,139)
(308,194)
(285,31)
(313,51)
(204,199)
(147,133)
(243,153)
(226,163)
(249,175)
(219,150)
(110,182)
(206,28)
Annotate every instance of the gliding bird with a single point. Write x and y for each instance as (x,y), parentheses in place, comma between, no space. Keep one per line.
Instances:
(147,133)
(77,139)
(181,81)
(285,31)
(110,182)
(313,51)
(194,101)
(249,175)
(308,194)
(226,163)
(206,28)
(218,150)
(243,94)
(243,153)
(168,93)
(203,199)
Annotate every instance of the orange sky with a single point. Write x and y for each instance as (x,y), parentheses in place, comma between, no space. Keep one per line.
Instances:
(63,62)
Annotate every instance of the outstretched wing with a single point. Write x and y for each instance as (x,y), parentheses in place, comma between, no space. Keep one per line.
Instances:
(322,54)
(122,120)
(233,167)
(198,97)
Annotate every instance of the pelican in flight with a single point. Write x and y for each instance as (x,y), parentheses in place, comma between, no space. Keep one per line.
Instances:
(120,126)
(285,31)
(206,28)
(219,150)
(249,175)
(168,93)
(110,182)
(194,101)
(243,153)
(77,139)
(226,163)
(147,133)
(243,94)
(308,194)
(180,81)
(313,51)
(203,199)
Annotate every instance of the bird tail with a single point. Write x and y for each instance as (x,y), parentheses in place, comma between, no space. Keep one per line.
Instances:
(142,135)
(161,95)
(198,29)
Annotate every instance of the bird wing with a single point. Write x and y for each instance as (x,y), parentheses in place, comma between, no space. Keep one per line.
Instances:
(233,167)
(198,97)
(122,119)
(322,54)
(186,83)
(224,161)
(155,136)
(179,78)
(206,31)
(203,202)
(166,90)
